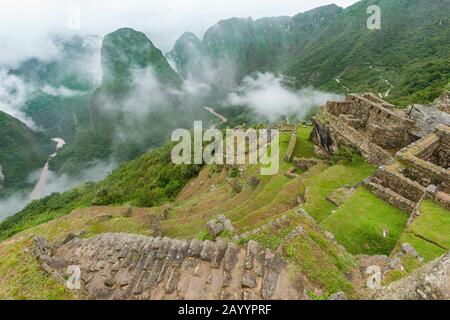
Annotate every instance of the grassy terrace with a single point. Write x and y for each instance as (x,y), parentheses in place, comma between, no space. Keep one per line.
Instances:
(324,179)
(359,224)
(324,262)
(429,234)
(21,276)
(304,148)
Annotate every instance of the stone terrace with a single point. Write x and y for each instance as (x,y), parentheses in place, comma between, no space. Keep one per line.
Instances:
(421,171)
(125,266)
(375,128)
(366,122)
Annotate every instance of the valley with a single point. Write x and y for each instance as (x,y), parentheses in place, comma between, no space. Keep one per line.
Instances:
(359,208)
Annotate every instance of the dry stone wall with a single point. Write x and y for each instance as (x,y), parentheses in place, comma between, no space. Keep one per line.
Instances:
(125,266)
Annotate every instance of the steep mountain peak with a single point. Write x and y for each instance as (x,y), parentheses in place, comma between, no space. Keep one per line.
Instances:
(187,56)
(188,37)
(127,49)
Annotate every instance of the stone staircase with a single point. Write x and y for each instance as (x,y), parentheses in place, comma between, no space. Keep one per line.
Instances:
(125,266)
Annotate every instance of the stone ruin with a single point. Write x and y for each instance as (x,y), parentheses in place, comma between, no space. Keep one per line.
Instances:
(125,266)
(411,146)
(443,102)
(366,122)
(421,171)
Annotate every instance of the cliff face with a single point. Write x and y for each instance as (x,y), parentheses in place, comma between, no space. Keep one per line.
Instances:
(125,266)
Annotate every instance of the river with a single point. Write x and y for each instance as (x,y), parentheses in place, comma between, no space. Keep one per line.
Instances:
(39,188)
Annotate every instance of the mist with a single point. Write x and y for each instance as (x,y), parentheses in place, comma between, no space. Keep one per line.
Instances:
(55,183)
(25,25)
(13,95)
(265,94)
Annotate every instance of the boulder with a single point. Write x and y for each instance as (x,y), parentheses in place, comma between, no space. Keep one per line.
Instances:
(220,224)
(409,249)
(215,228)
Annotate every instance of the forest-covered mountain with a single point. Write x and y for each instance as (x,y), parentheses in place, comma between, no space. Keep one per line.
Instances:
(22,152)
(138,103)
(332,48)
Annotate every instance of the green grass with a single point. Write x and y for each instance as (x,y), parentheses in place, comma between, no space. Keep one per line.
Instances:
(433,223)
(304,147)
(429,234)
(118,224)
(359,223)
(331,178)
(322,261)
(409,263)
(21,276)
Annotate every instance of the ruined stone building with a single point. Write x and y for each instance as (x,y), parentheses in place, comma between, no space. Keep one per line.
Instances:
(410,146)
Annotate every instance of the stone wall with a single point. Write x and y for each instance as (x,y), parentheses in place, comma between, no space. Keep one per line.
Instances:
(407,188)
(420,159)
(377,130)
(391,197)
(125,266)
(368,123)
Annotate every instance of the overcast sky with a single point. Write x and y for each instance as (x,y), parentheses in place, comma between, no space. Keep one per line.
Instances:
(23,23)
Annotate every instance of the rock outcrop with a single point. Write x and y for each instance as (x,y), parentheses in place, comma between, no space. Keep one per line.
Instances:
(443,102)
(125,266)
(432,282)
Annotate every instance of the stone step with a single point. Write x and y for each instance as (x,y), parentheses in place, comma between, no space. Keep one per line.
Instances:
(125,266)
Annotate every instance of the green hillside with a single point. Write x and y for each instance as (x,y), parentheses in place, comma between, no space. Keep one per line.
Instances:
(406,60)
(22,152)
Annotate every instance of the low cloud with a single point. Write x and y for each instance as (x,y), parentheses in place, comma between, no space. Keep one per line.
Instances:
(60,91)
(13,94)
(55,183)
(267,96)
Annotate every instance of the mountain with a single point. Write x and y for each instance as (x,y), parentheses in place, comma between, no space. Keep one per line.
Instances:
(59,88)
(405,61)
(22,152)
(139,102)
(126,50)
(187,55)
(407,58)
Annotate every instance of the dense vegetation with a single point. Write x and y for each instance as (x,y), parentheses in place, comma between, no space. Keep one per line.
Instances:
(148,181)
(406,60)
(22,152)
